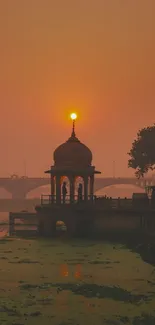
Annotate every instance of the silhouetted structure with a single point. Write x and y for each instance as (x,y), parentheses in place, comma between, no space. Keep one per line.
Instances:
(76,206)
(80,193)
(64,192)
(72,160)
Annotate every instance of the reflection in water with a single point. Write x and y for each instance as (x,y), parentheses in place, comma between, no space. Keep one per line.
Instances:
(3,231)
(65,272)
(64,299)
(78,273)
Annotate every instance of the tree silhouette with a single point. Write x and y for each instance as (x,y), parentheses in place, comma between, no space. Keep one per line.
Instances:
(142,153)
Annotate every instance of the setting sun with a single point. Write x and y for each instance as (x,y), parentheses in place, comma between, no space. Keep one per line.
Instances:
(73,116)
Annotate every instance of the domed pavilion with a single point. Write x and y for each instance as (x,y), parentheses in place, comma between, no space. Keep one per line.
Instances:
(72,161)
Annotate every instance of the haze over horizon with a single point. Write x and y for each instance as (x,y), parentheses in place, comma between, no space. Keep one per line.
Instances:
(92,56)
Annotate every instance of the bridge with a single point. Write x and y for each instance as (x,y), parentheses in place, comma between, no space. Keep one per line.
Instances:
(20,187)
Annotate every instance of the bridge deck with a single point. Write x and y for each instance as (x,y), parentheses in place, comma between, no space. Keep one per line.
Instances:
(19,187)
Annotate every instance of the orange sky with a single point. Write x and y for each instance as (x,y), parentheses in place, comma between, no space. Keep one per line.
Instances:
(96,56)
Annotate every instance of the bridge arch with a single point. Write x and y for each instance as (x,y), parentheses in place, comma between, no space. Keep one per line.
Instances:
(45,189)
(20,188)
(101,183)
(4,193)
(38,191)
(120,190)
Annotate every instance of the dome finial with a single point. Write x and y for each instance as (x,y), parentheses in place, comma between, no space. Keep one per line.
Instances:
(73,117)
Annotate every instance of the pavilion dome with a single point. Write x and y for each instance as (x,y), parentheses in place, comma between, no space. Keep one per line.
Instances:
(72,153)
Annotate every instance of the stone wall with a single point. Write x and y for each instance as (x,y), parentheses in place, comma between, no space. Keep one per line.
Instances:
(89,223)
(117,222)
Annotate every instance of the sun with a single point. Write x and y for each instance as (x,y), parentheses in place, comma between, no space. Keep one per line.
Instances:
(73,116)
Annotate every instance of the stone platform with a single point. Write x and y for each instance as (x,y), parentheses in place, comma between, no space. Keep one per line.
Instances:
(85,218)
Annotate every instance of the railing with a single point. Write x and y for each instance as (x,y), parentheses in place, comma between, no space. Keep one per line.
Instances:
(123,203)
(105,202)
(51,199)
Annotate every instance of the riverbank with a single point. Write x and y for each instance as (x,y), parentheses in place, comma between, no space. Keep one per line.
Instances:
(145,247)
(74,281)
(138,242)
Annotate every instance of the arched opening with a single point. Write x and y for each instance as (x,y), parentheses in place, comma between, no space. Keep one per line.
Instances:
(65,189)
(79,188)
(61,227)
(4,194)
(119,190)
(37,192)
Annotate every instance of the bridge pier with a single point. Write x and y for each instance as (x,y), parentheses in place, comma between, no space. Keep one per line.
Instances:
(18,195)
(11,224)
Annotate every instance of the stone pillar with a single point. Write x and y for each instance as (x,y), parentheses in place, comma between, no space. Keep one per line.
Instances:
(91,187)
(58,189)
(72,188)
(85,188)
(11,224)
(52,188)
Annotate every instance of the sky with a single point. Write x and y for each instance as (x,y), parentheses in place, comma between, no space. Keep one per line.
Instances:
(95,57)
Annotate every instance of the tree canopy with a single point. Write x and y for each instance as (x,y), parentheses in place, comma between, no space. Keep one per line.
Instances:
(142,153)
